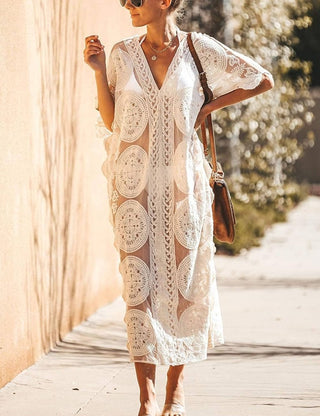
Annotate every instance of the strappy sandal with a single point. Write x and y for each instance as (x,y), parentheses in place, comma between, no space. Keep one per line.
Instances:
(173,409)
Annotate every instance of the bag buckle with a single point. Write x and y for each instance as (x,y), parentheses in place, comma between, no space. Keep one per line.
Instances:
(217,176)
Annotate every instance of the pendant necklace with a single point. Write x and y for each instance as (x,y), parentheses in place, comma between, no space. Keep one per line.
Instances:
(154,57)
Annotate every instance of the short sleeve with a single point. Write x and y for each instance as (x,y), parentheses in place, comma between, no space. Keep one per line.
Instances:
(101,130)
(227,69)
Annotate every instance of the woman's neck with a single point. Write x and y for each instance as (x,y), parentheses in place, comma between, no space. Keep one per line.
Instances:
(161,34)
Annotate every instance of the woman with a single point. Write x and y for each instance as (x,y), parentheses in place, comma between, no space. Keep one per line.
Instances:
(150,98)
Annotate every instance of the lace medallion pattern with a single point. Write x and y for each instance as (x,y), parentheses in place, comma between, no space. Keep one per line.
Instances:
(187,223)
(185,106)
(131,115)
(141,336)
(132,225)
(131,176)
(136,280)
(180,168)
(160,198)
(194,320)
(192,276)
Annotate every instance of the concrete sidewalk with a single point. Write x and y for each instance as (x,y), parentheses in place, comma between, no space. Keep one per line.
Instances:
(269,365)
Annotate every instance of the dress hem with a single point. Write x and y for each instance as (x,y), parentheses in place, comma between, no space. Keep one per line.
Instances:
(203,358)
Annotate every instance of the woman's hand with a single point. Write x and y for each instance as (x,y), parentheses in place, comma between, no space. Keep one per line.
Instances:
(94,54)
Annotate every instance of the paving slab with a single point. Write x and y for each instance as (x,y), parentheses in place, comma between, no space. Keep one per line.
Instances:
(289,251)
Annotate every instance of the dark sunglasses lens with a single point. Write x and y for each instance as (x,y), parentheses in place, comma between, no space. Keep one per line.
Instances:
(135,3)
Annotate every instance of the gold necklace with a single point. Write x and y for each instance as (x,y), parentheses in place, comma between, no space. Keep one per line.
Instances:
(154,57)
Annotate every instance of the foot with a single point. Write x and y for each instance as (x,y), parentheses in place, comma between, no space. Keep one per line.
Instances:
(149,408)
(175,393)
(174,402)
(173,409)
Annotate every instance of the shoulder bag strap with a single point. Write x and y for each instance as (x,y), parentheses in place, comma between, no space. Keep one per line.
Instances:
(208,97)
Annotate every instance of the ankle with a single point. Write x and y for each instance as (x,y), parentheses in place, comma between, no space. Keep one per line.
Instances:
(175,373)
(147,396)
(175,380)
(175,393)
(148,406)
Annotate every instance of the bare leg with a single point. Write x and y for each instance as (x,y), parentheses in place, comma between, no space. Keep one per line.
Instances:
(174,388)
(146,374)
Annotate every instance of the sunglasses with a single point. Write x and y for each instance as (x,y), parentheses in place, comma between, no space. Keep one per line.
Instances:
(135,3)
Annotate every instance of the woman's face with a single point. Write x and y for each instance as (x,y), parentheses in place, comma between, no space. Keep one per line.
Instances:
(150,11)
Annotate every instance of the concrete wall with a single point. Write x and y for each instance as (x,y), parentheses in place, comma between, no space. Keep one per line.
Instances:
(57,260)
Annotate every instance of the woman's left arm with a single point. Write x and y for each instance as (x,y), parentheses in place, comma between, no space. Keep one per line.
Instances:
(232,76)
(234,97)
(238,95)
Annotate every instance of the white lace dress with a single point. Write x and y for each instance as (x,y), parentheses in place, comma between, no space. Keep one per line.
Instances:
(160,198)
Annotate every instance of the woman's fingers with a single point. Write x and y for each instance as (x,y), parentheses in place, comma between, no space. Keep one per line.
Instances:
(93,53)
(89,53)
(91,38)
(92,42)
(93,46)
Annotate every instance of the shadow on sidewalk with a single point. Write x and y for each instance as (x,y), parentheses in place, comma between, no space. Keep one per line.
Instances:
(261,350)
(96,343)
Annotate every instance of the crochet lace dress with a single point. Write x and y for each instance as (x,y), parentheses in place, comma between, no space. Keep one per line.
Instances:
(160,198)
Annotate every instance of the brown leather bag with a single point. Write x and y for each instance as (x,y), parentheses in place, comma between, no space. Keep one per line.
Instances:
(222,209)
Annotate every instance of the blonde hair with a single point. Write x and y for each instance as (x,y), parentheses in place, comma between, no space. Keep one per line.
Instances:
(176,7)
(176,4)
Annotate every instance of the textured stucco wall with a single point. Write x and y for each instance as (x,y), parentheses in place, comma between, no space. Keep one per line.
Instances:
(57,260)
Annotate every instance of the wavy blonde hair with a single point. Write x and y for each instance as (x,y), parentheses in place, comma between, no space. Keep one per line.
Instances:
(176,7)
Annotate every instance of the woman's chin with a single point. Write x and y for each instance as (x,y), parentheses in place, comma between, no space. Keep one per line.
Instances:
(136,24)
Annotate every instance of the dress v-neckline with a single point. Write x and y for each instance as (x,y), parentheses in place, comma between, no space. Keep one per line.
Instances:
(169,67)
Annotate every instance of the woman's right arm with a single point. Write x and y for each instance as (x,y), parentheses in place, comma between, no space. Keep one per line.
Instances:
(95,57)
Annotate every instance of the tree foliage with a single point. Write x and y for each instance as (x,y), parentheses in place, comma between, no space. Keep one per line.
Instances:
(206,16)
(306,40)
